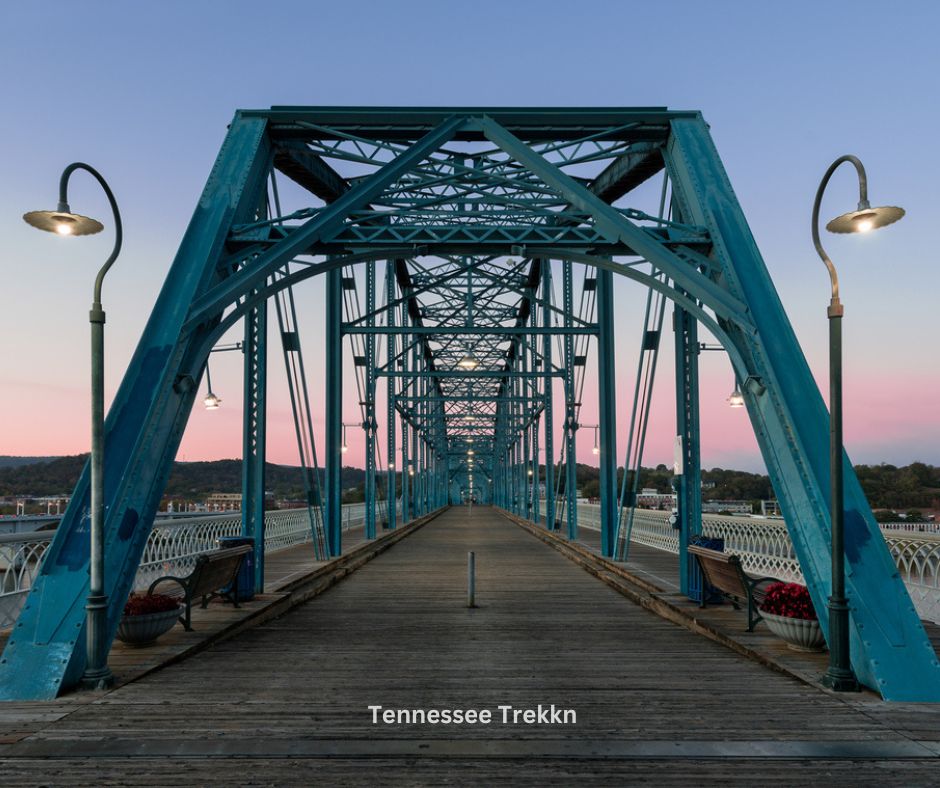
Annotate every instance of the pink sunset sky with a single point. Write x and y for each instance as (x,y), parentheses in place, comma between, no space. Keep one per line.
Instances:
(777,121)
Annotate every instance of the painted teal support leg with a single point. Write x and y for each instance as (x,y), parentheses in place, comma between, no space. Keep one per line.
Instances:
(571,420)
(391,481)
(689,488)
(405,476)
(371,425)
(550,522)
(255,348)
(46,650)
(889,647)
(334,411)
(607,388)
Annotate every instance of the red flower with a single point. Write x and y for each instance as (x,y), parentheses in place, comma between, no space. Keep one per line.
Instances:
(144,604)
(791,600)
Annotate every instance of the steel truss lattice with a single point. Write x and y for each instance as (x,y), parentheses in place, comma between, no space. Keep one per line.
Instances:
(480,246)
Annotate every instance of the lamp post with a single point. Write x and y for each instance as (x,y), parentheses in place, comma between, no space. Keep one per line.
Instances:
(62,221)
(839,675)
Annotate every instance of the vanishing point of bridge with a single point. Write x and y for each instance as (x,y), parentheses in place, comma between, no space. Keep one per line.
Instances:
(468,259)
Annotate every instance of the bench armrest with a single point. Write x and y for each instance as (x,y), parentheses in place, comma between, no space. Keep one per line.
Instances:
(180,580)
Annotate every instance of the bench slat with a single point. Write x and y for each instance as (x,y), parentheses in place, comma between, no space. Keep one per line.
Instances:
(213,571)
(723,571)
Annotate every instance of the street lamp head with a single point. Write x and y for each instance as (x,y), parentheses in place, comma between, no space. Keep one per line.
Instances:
(736,399)
(468,362)
(212,402)
(865,219)
(63,222)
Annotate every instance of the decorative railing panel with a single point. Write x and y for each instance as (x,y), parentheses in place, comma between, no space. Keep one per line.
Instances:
(20,557)
(172,548)
(765,548)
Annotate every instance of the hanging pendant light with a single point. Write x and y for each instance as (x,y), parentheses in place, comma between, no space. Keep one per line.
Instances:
(211,401)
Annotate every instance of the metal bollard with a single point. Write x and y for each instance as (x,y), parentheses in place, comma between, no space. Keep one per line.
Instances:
(471,580)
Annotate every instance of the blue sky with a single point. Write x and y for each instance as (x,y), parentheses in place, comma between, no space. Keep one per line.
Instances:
(144,92)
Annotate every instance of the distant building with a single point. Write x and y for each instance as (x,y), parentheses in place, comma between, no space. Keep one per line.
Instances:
(735,507)
(650,498)
(224,502)
(770,508)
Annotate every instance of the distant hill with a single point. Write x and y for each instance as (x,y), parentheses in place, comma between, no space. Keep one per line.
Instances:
(188,480)
(10,461)
(887,486)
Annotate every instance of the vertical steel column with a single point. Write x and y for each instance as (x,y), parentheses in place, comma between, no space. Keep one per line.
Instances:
(255,348)
(405,476)
(533,480)
(571,422)
(550,522)
(404,364)
(689,489)
(525,437)
(334,410)
(390,409)
(415,464)
(371,425)
(607,385)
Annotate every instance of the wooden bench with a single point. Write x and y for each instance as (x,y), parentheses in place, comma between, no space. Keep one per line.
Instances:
(724,572)
(213,572)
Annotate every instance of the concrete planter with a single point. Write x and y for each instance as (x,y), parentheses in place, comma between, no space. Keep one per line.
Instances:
(800,634)
(144,630)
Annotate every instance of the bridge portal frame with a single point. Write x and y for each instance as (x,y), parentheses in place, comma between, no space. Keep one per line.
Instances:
(232,259)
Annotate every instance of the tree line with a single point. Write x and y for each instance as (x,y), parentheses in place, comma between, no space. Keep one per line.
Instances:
(914,486)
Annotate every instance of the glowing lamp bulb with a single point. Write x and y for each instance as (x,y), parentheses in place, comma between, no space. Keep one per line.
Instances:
(344,448)
(595,450)
(63,228)
(212,402)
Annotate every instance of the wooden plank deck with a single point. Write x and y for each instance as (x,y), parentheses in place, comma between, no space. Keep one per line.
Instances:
(287,702)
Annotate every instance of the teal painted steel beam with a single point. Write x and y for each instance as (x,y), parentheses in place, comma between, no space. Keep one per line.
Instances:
(547,395)
(391,481)
(890,650)
(333,335)
(145,423)
(607,411)
(370,424)
(571,416)
(254,433)
(322,227)
(615,226)
(512,331)
(688,431)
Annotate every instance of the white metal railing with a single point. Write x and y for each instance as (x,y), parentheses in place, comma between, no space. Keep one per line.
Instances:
(765,548)
(20,556)
(172,548)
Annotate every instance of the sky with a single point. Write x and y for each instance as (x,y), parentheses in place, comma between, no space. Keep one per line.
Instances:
(144,93)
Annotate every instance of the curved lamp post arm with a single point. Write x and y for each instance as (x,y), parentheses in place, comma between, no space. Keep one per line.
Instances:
(118,229)
(862,205)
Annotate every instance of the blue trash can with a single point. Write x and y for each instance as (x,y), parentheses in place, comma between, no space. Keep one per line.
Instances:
(696,581)
(246,572)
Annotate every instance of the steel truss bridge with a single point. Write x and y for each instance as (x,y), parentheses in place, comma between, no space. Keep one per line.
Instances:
(468,257)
